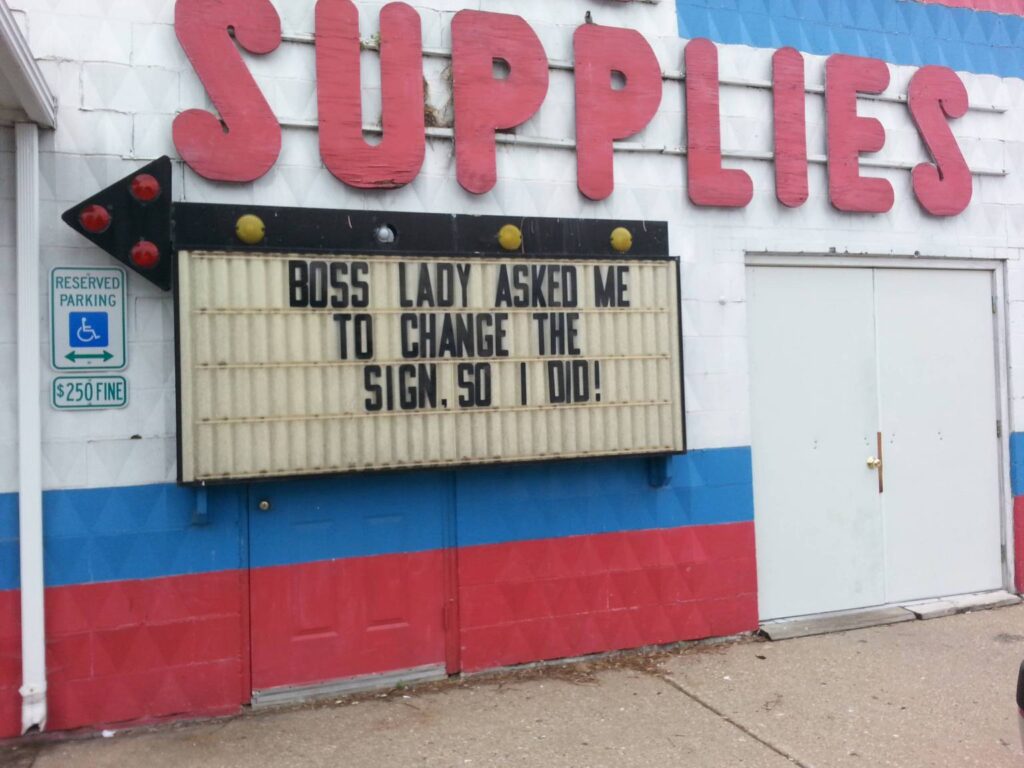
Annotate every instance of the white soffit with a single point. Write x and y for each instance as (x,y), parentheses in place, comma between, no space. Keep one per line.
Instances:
(24,94)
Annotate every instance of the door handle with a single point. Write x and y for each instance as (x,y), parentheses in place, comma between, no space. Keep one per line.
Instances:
(875,462)
(264,505)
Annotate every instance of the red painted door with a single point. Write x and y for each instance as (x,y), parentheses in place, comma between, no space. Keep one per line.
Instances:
(348,577)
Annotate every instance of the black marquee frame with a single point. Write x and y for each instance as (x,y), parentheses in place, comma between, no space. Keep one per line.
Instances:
(178,226)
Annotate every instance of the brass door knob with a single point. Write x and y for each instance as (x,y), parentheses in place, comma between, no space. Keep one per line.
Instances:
(874,462)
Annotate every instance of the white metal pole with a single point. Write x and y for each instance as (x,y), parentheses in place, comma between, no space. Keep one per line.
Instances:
(30,487)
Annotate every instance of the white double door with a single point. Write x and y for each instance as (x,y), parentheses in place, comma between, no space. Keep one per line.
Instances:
(838,357)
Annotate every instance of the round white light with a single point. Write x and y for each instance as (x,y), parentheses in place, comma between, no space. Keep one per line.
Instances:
(384,234)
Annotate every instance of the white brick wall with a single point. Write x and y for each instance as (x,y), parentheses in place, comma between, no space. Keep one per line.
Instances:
(121,77)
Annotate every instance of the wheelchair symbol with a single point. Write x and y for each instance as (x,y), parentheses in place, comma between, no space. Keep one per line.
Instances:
(86,333)
(88,329)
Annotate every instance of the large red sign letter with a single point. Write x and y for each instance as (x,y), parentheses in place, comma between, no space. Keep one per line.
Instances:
(604,113)
(397,158)
(849,135)
(709,184)
(790,114)
(483,103)
(245,142)
(945,187)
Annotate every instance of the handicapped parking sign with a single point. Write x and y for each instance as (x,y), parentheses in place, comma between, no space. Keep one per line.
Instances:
(87,318)
(88,329)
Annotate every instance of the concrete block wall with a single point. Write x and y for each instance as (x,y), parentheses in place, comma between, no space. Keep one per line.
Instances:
(121,77)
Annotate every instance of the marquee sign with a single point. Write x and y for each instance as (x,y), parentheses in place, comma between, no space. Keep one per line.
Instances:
(297,363)
(318,341)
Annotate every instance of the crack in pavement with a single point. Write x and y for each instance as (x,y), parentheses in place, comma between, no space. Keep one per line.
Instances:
(671,682)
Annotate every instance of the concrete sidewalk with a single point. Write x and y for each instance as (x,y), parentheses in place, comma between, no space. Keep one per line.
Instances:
(924,693)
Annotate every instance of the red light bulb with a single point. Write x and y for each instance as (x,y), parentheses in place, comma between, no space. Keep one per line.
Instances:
(145,188)
(145,255)
(94,219)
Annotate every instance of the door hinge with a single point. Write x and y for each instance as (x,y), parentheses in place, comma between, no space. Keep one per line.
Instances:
(994,306)
(999,428)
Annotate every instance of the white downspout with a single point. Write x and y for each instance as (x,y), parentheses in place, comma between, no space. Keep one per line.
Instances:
(30,484)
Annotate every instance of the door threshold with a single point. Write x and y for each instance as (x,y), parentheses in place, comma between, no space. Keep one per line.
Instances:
(948,606)
(861,618)
(293,694)
(838,621)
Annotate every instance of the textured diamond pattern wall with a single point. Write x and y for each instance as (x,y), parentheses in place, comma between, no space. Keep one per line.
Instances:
(892,30)
(148,611)
(560,598)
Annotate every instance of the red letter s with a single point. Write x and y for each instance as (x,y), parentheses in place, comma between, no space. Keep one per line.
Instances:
(945,187)
(249,142)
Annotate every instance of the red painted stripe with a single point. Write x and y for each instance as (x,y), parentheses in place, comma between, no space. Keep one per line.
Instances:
(151,649)
(131,651)
(560,598)
(1010,7)
(1018,543)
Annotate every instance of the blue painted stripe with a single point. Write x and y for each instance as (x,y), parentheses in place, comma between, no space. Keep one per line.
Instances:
(893,30)
(9,560)
(502,504)
(1017,463)
(141,532)
(350,516)
(361,515)
(137,532)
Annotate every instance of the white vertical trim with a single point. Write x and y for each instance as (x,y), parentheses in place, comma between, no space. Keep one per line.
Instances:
(30,492)
(1003,404)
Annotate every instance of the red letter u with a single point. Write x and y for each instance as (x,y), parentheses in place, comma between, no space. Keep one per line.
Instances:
(397,159)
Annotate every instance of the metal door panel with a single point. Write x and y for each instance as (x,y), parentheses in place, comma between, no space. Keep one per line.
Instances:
(814,422)
(937,389)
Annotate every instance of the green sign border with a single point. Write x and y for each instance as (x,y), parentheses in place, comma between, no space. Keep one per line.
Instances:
(124,322)
(53,394)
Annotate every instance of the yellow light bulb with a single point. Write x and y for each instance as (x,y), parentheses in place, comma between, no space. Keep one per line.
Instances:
(510,237)
(622,239)
(250,229)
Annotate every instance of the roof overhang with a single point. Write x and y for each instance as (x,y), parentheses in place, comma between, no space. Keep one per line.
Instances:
(24,93)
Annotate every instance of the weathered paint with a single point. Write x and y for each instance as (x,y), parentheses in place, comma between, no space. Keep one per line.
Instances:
(943,187)
(244,142)
(707,182)
(133,650)
(124,77)
(485,104)
(604,113)
(850,135)
(790,125)
(561,598)
(1015,7)
(397,159)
